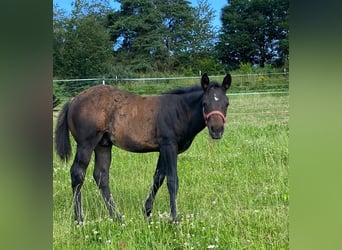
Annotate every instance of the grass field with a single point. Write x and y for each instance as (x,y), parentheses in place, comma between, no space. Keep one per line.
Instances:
(233,193)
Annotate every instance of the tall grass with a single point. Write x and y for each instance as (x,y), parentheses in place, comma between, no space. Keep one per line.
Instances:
(233,193)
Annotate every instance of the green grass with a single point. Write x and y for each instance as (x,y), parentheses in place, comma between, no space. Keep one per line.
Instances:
(233,193)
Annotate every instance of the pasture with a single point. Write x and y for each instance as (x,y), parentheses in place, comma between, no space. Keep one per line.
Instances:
(233,192)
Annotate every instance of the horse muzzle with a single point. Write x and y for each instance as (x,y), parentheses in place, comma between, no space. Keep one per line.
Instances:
(216,132)
(215,124)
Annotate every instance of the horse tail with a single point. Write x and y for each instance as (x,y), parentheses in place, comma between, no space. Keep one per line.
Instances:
(62,140)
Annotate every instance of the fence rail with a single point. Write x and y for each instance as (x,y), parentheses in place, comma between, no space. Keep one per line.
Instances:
(104,79)
(262,83)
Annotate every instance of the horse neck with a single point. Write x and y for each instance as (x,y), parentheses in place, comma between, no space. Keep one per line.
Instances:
(194,101)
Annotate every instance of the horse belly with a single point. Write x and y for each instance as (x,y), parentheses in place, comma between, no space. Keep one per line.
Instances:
(136,145)
(135,128)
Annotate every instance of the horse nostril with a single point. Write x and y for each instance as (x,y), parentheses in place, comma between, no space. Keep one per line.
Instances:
(216,129)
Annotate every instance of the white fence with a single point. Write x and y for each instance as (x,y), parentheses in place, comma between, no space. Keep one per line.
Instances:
(144,79)
(262,83)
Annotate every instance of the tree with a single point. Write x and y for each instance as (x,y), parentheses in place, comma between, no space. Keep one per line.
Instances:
(151,34)
(143,36)
(59,36)
(203,31)
(178,19)
(281,16)
(82,47)
(254,31)
(88,49)
(137,32)
(201,53)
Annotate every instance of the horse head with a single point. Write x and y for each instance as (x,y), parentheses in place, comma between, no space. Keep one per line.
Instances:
(215,104)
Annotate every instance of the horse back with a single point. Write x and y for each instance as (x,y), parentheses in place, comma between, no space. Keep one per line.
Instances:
(128,119)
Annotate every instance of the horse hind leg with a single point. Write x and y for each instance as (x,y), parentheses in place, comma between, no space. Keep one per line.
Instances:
(101,175)
(77,172)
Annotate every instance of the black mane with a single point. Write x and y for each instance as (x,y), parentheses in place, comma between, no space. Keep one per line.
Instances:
(181,91)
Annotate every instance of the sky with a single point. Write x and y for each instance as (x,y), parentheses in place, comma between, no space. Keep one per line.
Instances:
(215,4)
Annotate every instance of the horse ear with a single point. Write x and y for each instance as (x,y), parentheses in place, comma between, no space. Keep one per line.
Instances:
(227,82)
(205,81)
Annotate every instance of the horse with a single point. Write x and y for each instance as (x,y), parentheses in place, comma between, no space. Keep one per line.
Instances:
(103,116)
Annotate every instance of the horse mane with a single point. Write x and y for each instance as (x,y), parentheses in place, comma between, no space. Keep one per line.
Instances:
(181,91)
(186,90)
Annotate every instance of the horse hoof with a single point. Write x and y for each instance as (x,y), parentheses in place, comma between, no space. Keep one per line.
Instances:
(78,220)
(147,214)
(119,218)
(176,219)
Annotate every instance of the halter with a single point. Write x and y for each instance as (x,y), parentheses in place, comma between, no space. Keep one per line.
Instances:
(215,112)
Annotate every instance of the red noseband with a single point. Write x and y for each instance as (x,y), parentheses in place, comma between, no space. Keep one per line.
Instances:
(215,112)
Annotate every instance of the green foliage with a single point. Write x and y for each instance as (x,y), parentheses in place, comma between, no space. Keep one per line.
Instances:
(141,37)
(81,45)
(203,34)
(260,79)
(151,35)
(234,193)
(202,62)
(254,32)
(56,101)
(246,68)
(168,37)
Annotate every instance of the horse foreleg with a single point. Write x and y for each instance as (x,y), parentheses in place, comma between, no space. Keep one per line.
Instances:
(172,184)
(158,180)
(103,157)
(77,172)
(167,164)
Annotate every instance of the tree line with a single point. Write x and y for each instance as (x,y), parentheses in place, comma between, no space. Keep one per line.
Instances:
(151,37)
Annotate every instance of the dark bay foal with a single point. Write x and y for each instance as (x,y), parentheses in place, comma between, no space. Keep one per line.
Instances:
(103,116)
